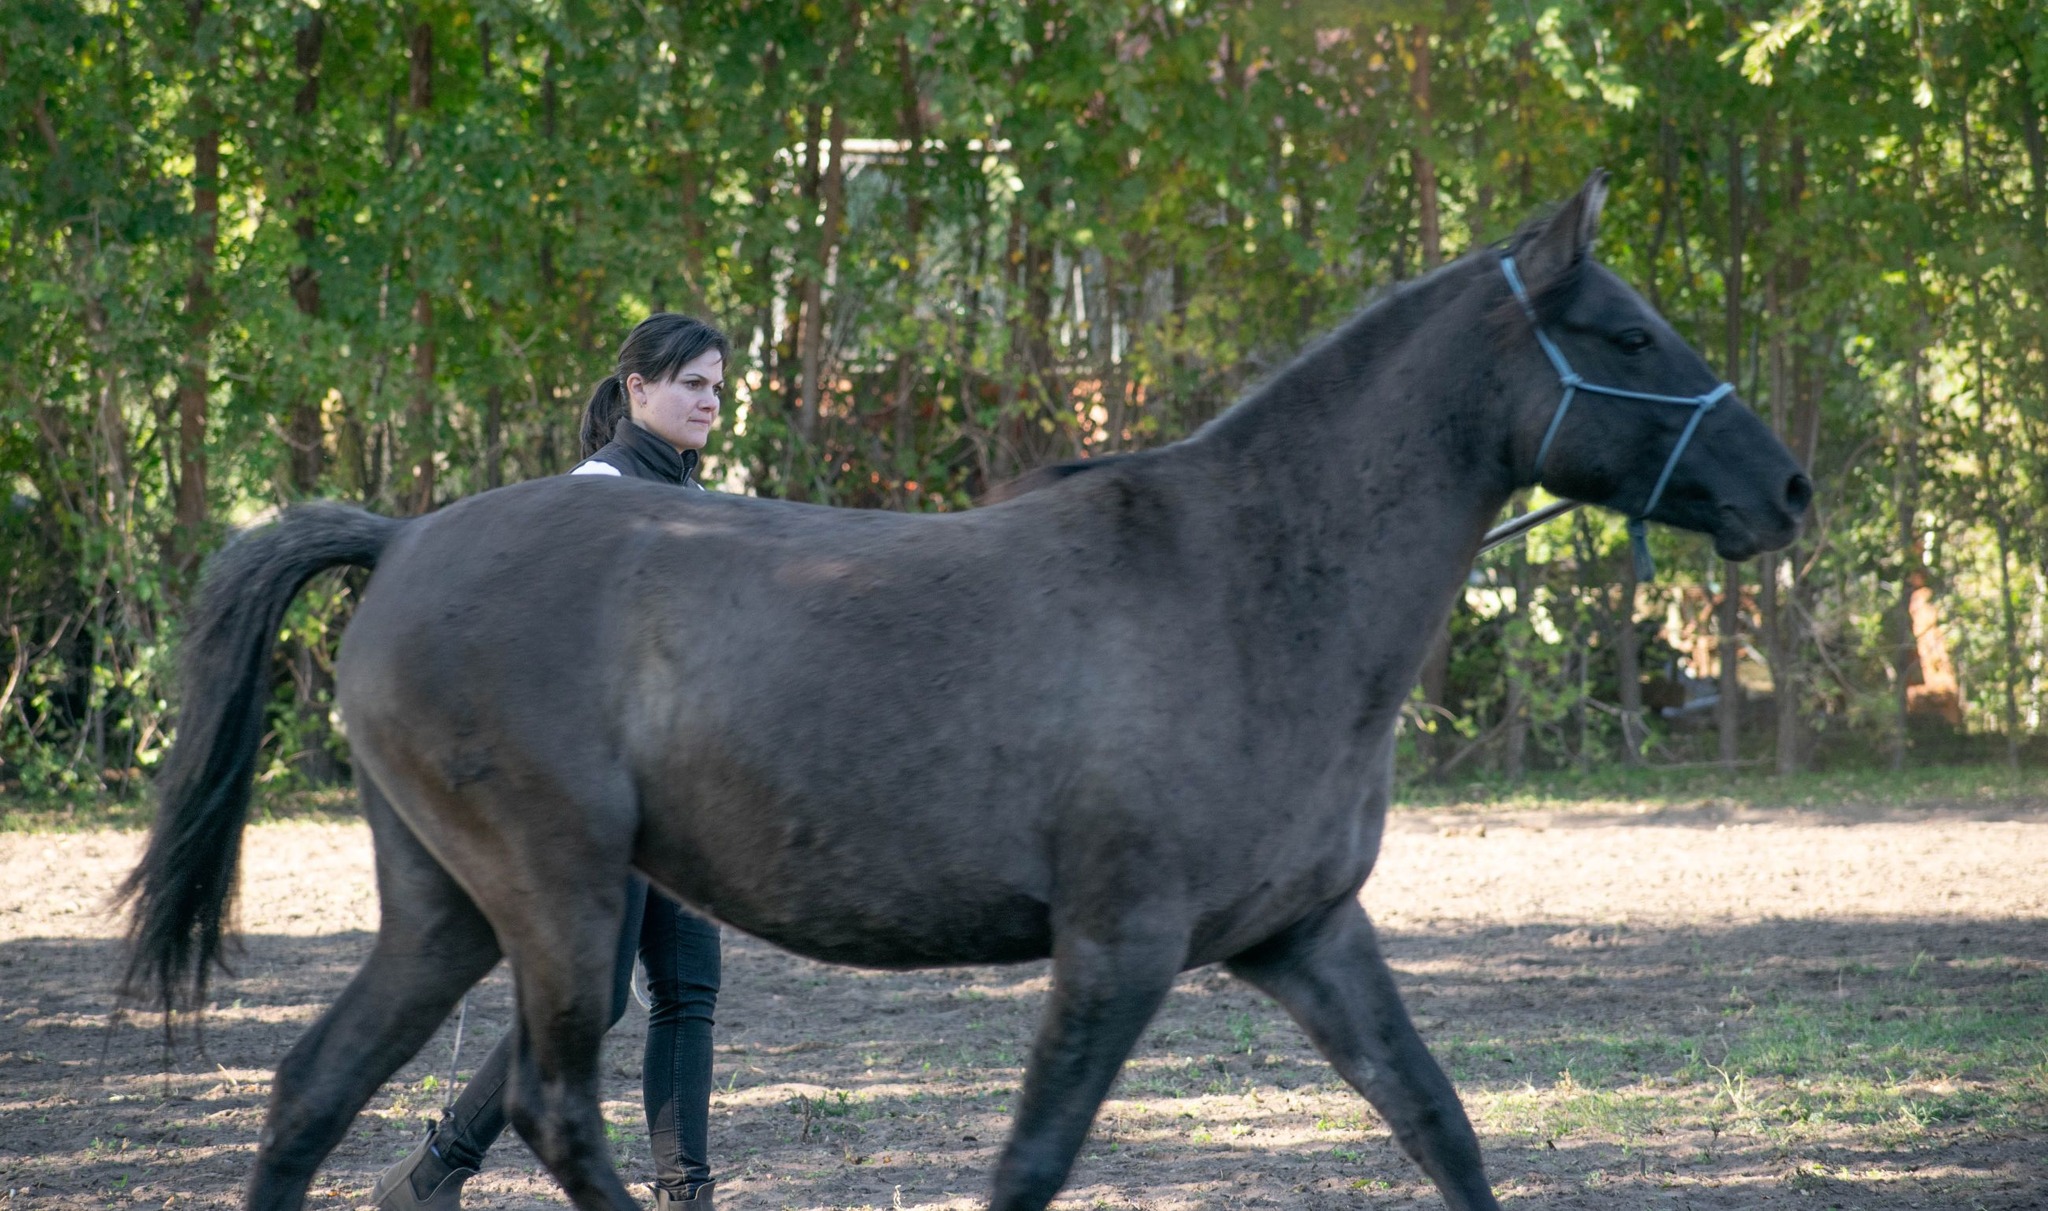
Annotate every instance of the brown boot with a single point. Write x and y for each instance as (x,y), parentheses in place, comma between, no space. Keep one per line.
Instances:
(397,1191)
(698,1199)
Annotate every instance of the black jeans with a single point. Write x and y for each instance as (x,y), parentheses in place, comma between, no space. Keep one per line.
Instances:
(680,950)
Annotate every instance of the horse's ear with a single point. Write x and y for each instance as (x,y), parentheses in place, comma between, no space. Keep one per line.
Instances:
(1567,238)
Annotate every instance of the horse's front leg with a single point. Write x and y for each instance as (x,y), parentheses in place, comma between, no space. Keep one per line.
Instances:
(1329,974)
(1109,976)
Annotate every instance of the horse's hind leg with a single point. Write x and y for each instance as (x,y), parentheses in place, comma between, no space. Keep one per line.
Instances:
(432,945)
(540,832)
(562,960)
(1329,974)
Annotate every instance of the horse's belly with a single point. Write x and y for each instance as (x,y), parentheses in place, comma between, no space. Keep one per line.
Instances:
(897,893)
(846,918)
(986,931)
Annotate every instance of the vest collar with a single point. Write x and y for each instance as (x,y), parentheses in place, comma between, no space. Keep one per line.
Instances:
(656,458)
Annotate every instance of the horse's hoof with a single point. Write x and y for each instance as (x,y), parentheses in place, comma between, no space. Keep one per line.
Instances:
(397,1191)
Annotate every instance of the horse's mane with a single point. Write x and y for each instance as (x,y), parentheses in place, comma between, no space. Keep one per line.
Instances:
(1354,340)
(1389,311)
(1046,477)
(1390,314)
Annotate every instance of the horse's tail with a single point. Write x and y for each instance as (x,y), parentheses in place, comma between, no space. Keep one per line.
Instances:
(179,891)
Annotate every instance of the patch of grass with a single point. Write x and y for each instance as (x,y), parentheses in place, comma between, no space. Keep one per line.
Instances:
(73,815)
(1908,1056)
(1618,788)
(90,813)
(1961,1048)
(1244,1031)
(1596,1059)
(1567,1107)
(1173,1076)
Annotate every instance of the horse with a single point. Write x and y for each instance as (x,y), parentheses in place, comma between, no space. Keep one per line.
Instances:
(1137,718)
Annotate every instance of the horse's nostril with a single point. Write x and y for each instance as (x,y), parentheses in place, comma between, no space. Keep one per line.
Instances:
(1798,494)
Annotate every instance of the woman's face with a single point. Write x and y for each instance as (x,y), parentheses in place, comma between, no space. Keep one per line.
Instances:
(681,410)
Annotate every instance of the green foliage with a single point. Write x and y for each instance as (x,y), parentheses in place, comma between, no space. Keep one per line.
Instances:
(954,241)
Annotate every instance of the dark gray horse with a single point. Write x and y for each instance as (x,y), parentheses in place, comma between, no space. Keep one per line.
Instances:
(1138,719)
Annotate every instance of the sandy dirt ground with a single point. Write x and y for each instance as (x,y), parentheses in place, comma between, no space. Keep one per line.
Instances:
(1575,972)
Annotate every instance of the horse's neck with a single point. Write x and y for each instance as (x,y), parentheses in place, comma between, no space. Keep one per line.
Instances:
(1378,458)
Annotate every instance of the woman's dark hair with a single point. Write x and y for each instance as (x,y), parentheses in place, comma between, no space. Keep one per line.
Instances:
(657,349)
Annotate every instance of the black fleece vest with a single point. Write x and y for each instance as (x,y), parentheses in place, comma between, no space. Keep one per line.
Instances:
(638,454)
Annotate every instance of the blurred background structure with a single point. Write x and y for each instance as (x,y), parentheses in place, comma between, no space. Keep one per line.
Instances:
(259,251)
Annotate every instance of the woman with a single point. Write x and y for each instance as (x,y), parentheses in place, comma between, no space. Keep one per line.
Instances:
(647,421)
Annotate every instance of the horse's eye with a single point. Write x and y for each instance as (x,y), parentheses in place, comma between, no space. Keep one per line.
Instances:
(1633,340)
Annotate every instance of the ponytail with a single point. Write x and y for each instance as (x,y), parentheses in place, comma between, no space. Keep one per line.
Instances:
(601,416)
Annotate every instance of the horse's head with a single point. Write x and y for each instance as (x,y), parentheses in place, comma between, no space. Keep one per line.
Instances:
(1646,428)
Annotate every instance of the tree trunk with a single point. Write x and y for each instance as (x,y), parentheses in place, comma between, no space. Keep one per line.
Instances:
(424,353)
(690,199)
(494,435)
(304,428)
(1628,652)
(1728,707)
(1515,711)
(1770,615)
(832,199)
(1578,620)
(421,413)
(195,367)
(1728,710)
(1732,273)
(115,494)
(1428,212)
(312,683)
(807,292)
(1906,659)
(1115,374)
(425,440)
(1796,410)
(912,124)
(1777,647)
(550,104)
(1771,619)
(826,187)
(2012,639)
(2036,143)
(1905,480)
(1431,740)
(1041,370)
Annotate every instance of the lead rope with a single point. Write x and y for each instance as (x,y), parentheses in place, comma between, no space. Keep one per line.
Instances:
(1638,525)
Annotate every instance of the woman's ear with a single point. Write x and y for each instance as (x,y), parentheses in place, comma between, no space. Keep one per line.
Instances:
(636,390)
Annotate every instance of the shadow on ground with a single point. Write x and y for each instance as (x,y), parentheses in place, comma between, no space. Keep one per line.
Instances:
(1818,1064)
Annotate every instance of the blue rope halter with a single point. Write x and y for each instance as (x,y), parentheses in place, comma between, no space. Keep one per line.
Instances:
(1638,528)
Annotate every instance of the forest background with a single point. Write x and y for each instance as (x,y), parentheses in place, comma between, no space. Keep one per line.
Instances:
(257,252)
